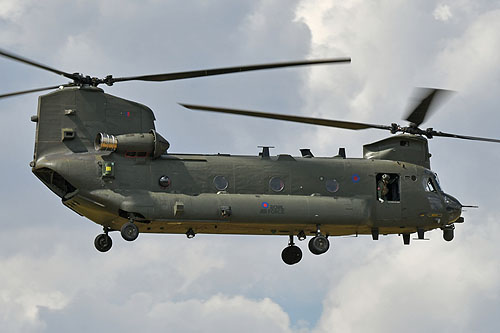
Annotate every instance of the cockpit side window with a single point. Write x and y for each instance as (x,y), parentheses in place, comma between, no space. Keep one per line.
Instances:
(430,186)
(388,187)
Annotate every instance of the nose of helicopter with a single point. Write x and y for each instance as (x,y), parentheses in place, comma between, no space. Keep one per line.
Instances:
(453,208)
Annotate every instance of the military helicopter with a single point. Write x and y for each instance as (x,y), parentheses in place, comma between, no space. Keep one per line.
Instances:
(103,157)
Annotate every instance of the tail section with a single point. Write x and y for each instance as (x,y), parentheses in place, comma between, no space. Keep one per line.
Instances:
(69,119)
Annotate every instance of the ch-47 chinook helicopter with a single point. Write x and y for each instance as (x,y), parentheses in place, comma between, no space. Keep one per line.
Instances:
(102,155)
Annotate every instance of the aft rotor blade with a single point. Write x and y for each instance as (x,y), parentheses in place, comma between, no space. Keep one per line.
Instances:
(34,90)
(225,70)
(427,100)
(36,64)
(465,137)
(297,119)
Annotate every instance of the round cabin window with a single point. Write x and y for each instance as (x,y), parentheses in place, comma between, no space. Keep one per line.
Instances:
(164,181)
(220,183)
(332,185)
(276,184)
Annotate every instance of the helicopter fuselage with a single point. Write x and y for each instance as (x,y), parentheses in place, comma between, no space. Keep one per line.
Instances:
(224,194)
(102,155)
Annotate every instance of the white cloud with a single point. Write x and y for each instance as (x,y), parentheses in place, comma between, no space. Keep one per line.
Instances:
(165,284)
(221,314)
(442,13)
(428,283)
(13,9)
(471,59)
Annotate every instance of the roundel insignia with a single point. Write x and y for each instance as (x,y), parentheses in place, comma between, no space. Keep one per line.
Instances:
(355,178)
(265,205)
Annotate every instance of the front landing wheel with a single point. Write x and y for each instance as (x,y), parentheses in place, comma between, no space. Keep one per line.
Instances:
(448,234)
(129,231)
(103,243)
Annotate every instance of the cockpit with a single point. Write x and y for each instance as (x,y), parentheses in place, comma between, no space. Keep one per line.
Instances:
(453,206)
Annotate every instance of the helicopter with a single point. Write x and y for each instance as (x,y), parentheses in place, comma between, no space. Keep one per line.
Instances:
(101,154)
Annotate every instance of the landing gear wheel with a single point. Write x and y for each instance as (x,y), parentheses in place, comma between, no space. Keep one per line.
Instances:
(129,231)
(291,254)
(319,244)
(103,243)
(448,234)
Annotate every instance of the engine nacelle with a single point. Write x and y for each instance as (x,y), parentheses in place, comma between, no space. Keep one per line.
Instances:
(134,144)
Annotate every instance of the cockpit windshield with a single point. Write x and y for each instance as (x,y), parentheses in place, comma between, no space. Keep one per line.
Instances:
(429,186)
(438,183)
(431,183)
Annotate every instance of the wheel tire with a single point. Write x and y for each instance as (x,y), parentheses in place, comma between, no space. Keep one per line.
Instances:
(103,243)
(291,255)
(129,231)
(448,234)
(319,244)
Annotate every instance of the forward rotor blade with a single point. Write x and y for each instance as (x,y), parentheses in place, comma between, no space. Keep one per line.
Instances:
(34,90)
(427,100)
(297,119)
(225,70)
(36,64)
(465,137)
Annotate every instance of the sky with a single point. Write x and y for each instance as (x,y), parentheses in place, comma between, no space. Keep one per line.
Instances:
(53,280)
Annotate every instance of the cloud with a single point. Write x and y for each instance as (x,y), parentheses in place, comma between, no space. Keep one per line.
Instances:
(472,57)
(11,10)
(65,288)
(142,312)
(433,282)
(442,13)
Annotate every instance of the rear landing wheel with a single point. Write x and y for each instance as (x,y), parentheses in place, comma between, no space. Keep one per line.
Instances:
(129,231)
(103,243)
(319,244)
(291,254)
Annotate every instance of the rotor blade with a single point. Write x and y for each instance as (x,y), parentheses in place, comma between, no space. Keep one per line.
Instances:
(35,90)
(225,70)
(297,119)
(427,100)
(33,63)
(465,137)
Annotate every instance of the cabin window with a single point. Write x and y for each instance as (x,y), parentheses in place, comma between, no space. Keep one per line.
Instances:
(220,183)
(332,185)
(276,184)
(388,187)
(164,181)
